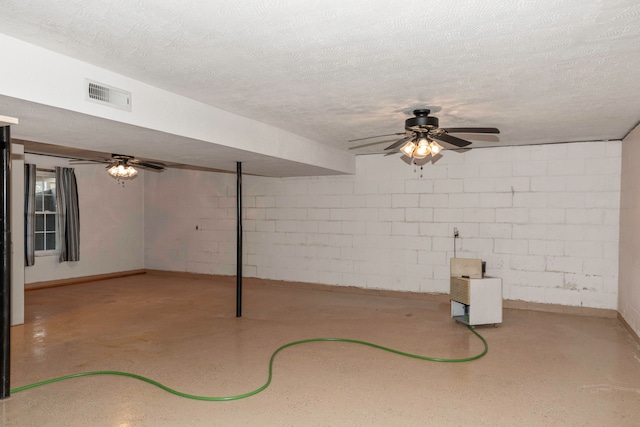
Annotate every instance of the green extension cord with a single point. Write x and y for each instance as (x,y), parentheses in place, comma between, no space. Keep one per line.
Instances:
(258,390)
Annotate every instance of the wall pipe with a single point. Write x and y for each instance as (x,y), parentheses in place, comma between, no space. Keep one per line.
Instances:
(5,286)
(239,241)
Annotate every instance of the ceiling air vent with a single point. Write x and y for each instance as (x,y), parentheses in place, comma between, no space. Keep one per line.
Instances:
(107,95)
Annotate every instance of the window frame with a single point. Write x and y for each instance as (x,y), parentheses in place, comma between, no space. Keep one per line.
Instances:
(46,252)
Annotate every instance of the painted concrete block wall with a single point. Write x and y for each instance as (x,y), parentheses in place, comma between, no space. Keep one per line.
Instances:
(190,222)
(111,225)
(544,218)
(629,287)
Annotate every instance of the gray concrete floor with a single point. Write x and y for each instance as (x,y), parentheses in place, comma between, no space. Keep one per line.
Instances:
(541,368)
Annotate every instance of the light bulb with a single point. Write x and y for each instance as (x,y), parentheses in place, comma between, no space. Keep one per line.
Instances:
(423,149)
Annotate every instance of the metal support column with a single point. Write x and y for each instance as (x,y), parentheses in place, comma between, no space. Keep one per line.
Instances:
(5,286)
(239,241)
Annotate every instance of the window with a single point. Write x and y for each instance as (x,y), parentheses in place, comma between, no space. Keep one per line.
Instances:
(46,213)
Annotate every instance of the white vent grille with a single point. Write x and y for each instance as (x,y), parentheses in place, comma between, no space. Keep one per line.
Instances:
(107,95)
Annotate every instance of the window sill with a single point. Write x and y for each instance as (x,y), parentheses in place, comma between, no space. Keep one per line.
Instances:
(46,253)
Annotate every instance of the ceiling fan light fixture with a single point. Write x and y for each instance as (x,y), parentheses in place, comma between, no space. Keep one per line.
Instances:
(435,148)
(408,148)
(421,132)
(423,149)
(122,171)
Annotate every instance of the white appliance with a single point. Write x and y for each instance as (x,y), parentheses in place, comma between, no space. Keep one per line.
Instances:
(475,300)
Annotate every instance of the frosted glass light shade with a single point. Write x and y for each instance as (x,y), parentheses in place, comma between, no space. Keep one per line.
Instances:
(122,171)
(423,149)
(435,148)
(408,148)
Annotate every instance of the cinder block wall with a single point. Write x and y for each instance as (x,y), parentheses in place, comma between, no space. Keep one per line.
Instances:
(544,218)
(190,222)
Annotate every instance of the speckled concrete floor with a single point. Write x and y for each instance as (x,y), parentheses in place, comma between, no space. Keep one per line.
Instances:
(541,369)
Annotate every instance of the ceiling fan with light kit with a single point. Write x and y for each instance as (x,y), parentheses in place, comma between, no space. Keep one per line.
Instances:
(422,136)
(123,167)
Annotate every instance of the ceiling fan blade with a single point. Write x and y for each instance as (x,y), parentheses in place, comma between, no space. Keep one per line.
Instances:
(377,136)
(450,139)
(471,130)
(355,147)
(398,143)
(87,161)
(460,150)
(152,166)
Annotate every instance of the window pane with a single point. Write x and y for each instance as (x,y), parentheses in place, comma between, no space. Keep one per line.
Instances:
(49,183)
(39,241)
(50,222)
(49,202)
(51,241)
(39,222)
(39,202)
(46,208)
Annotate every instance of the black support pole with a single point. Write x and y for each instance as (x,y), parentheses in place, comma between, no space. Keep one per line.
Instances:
(5,286)
(239,241)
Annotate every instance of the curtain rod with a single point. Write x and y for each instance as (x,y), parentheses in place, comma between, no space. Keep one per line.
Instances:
(45,170)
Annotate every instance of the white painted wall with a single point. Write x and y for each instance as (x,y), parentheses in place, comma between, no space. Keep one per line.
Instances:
(17,234)
(545,218)
(629,287)
(111,225)
(176,202)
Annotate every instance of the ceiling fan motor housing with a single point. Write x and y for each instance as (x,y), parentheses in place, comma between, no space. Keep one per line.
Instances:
(121,157)
(421,121)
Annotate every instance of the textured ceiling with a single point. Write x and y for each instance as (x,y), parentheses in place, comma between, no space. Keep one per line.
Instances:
(332,70)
